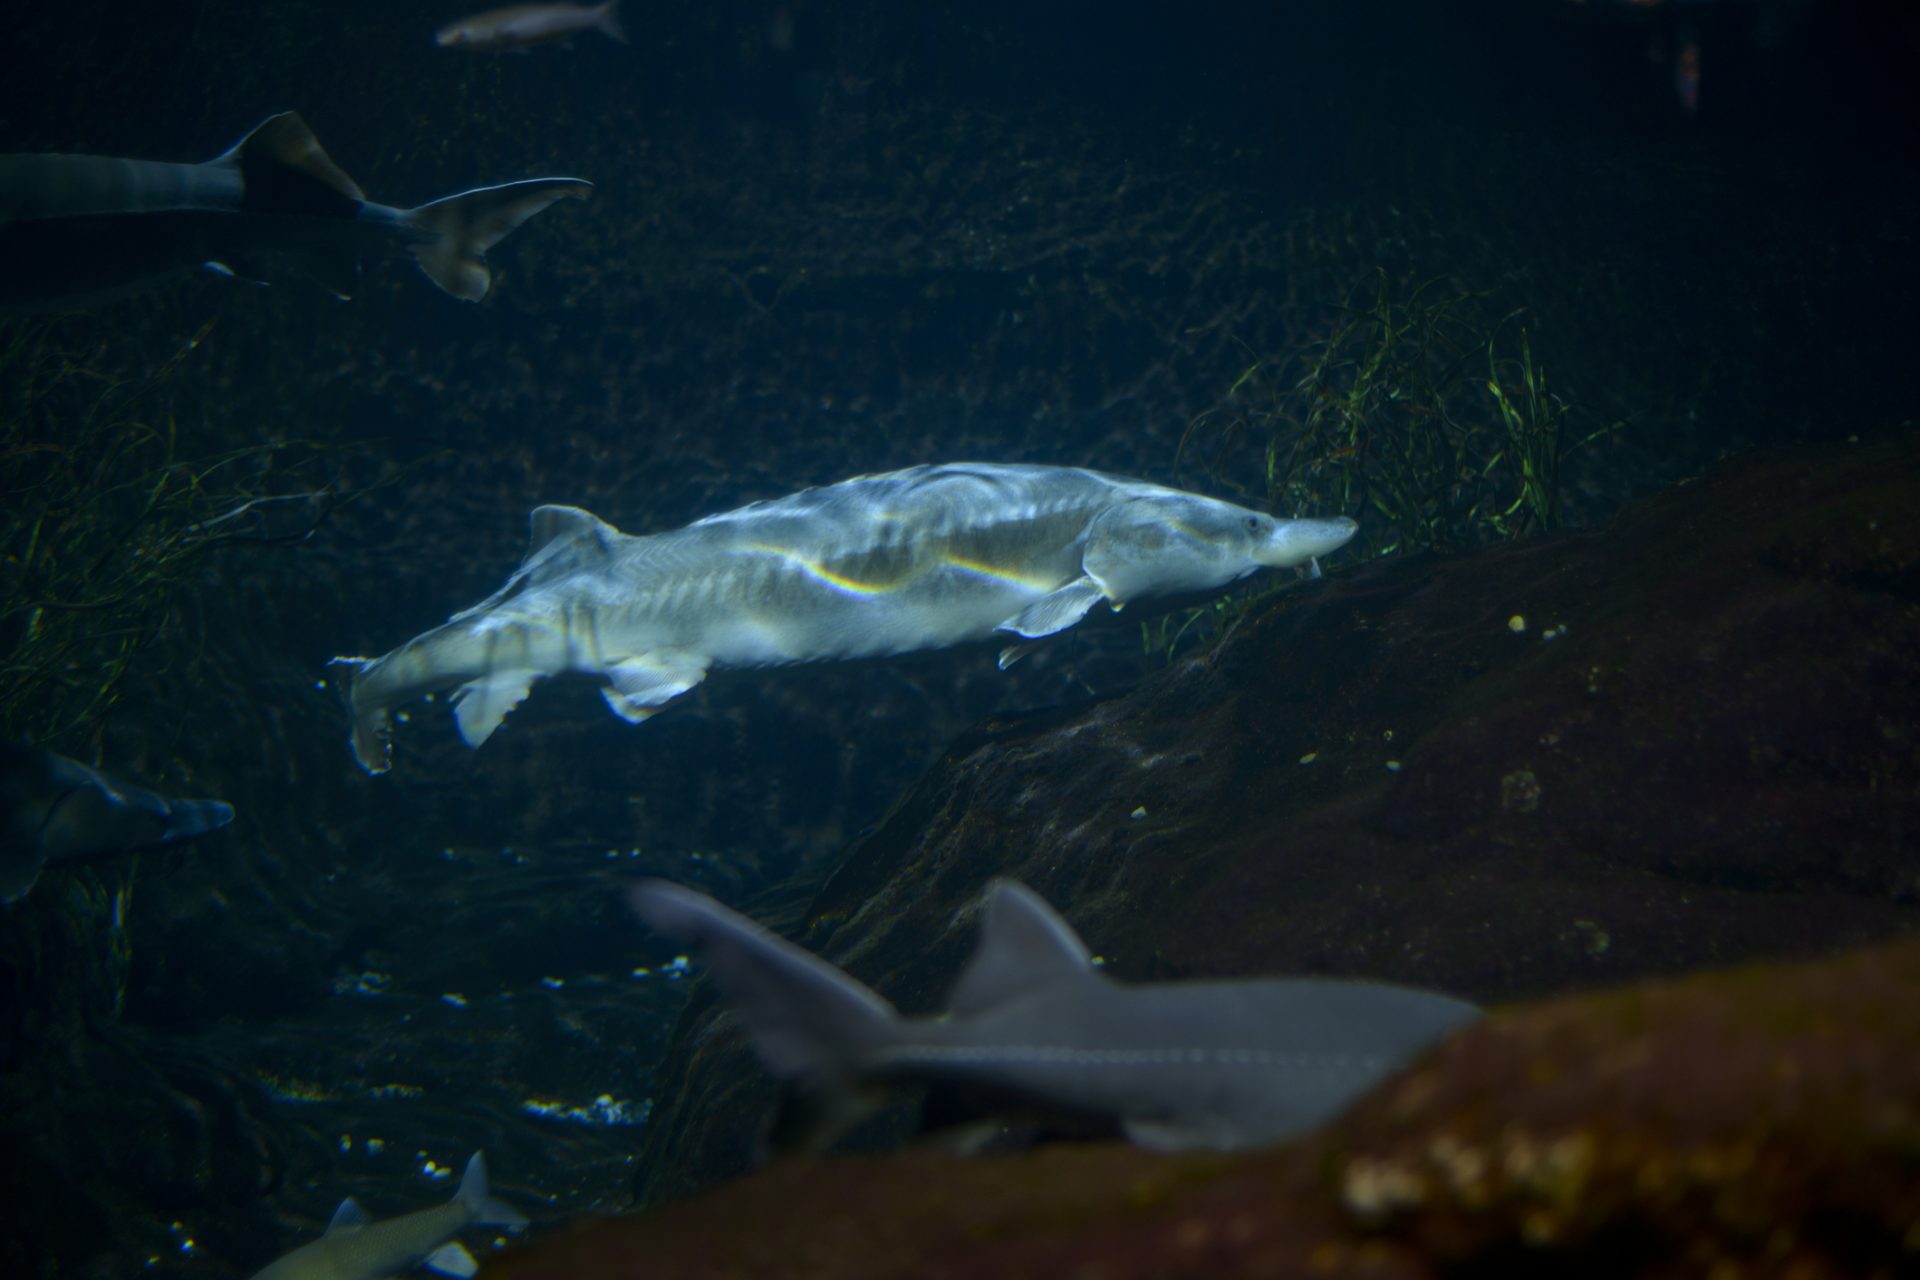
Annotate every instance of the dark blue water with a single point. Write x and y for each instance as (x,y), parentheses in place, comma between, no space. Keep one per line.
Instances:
(825,239)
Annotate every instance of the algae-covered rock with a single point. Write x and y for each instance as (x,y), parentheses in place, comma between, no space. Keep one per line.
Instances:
(1682,741)
(1763,1120)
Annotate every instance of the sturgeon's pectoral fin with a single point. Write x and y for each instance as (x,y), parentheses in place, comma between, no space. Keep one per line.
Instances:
(1055,611)
(637,687)
(1013,653)
(480,705)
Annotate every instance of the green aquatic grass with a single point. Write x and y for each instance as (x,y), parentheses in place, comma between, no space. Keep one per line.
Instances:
(1413,412)
(104,516)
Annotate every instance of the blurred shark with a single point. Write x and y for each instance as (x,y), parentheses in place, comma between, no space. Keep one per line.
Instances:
(519,27)
(1033,1027)
(356,1248)
(917,559)
(53,809)
(76,231)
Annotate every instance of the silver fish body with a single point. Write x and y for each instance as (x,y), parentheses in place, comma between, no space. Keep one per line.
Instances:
(924,558)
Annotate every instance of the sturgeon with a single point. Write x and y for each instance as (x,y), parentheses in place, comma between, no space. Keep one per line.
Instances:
(924,558)
(1034,1027)
(80,230)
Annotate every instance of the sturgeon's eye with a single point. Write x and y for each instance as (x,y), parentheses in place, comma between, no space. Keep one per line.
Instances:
(1253,523)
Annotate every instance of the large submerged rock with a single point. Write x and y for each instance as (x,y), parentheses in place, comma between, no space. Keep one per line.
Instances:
(1759,1121)
(1683,741)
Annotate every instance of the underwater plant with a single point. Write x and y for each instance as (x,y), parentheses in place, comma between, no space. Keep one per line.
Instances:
(103,517)
(1411,413)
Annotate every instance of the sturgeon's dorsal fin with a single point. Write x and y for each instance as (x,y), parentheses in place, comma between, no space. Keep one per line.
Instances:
(286,141)
(1055,611)
(1023,944)
(555,527)
(563,540)
(348,1216)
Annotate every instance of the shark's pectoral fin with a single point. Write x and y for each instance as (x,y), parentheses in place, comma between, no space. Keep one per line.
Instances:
(639,686)
(480,705)
(1055,611)
(451,1259)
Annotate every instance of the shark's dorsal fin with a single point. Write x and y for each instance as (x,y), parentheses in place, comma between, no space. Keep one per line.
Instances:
(1024,944)
(348,1216)
(285,141)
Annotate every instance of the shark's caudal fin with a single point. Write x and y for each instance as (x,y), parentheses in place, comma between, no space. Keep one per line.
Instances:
(481,1208)
(812,1025)
(463,227)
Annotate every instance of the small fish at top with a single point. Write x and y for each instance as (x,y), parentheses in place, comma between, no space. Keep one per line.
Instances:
(77,231)
(519,27)
(1033,1028)
(917,559)
(53,809)
(357,1248)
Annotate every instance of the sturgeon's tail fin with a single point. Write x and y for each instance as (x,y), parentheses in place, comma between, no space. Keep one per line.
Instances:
(813,1026)
(461,228)
(481,1208)
(372,729)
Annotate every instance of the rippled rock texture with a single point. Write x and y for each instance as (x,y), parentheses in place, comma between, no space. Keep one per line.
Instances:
(1765,1120)
(1684,741)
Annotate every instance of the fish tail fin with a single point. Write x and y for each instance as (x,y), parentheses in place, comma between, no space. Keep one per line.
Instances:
(814,1027)
(482,1209)
(372,729)
(609,17)
(459,229)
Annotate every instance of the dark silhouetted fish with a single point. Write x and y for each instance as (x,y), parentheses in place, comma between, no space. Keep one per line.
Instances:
(53,809)
(519,27)
(1033,1025)
(79,230)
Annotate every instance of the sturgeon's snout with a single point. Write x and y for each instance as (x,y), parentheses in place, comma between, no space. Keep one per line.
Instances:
(1297,541)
